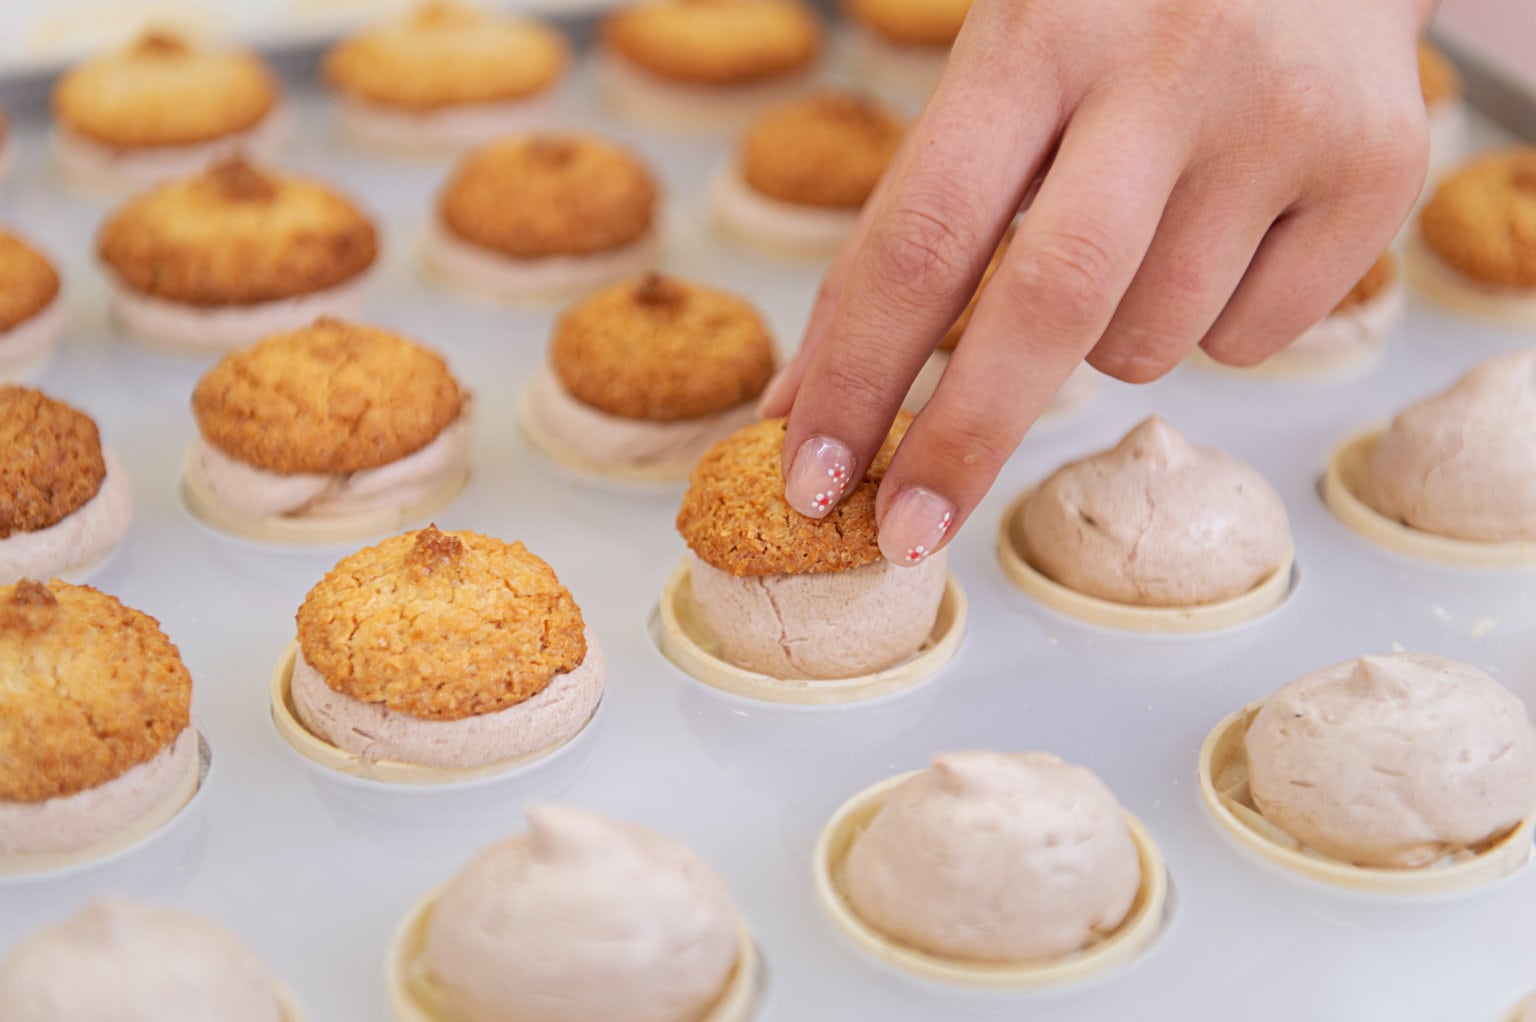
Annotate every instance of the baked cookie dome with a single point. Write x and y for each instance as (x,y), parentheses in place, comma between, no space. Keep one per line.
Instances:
(827,149)
(931,23)
(715,42)
(1481,221)
(28,282)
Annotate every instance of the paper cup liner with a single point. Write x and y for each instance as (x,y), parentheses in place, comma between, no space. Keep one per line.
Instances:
(319,752)
(1139,930)
(1342,489)
(1211,617)
(1431,276)
(686,640)
(413,999)
(36,866)
(547,444)
(317,531)
(1225,795)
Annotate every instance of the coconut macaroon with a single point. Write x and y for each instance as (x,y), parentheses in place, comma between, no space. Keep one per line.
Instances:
(217,260)
(161,108)
(1460,463)
(647,375)
(95,725)
(803,171)
(31,314)
(65,500)
(797,597)
(129,962)
(1441,85)
(1156,521)
(1393,761)
(330,421)
(900,46)
(995,857)
(1475,247)
(446,76)
(706,63)
(543,216)
(444,649)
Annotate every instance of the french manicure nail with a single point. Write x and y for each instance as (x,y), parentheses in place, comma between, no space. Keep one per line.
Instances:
(915,525)
(820,474)
(770,395)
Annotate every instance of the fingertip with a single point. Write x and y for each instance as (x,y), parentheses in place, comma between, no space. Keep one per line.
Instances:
(915,525)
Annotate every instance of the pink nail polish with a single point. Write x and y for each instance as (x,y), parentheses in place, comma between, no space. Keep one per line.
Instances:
(914,526)
(819,476)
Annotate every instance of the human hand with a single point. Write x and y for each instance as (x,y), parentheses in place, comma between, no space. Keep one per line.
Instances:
(1208,173)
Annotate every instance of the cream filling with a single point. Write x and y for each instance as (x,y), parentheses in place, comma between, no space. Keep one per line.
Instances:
(159,321)
(91,166)
(369,730)
(1348,335)
(72,822)
(637,93)
(764,220)
(1078,388)
(78,539)
(446,128)
(595,437)
(472,268)
(24,346)
(1451,287)
(826,625)
(909,71)
(258,493)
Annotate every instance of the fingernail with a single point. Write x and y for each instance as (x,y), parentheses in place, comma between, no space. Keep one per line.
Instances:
(915,525)
(768,401)
(819,476)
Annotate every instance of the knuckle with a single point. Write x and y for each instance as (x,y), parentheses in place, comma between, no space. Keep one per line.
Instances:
(857,385)
(1066,275)
(927,249)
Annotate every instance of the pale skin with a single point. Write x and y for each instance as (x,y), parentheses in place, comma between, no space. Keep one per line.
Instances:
(1199,172)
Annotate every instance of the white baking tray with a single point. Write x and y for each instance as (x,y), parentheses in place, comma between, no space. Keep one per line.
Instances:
(315,874)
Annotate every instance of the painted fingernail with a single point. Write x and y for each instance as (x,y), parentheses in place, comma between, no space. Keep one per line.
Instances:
(768,401)
(915,525)
(819,476)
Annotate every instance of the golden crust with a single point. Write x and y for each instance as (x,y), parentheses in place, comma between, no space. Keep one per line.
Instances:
(163,91)
(441,625)
(911,22)
(1481,220)
(329,398)
(535,196)
(1382,272)
(952,336)
(827,149)
(716,42)
(50,460)
(734,516)
(89,689)
(662,349)
(1437,76)
(444,54)
(234,235)
(28,281)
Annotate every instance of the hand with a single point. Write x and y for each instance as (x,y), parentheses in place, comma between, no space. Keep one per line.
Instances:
(1212,172)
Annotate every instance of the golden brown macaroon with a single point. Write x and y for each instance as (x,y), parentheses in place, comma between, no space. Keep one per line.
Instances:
(1376,280)
(164,91)
(827,149)
(911,22)
(91,689)
(662,349)
(716,42)
(734,516)
(447,54)
(441,625)
(236,235)
(50,460)
(330,398)
(28,281)
(1437,77)
(1481,220)
(537,196)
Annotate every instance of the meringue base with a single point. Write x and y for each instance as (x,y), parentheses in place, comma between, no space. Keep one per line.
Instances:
(1432,276)
(478,272)
(285,718)
(25,347)
(1211,617)
(298,530)
(95,169)
(779,227)
(442,131)
(412,999)
(1142,925)
(177,797)
(1225,795)
(686,640)
(1342,490)
(180,329)
(634,93)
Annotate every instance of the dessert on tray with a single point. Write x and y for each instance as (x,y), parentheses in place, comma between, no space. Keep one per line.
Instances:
(31,312)
(901,46)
